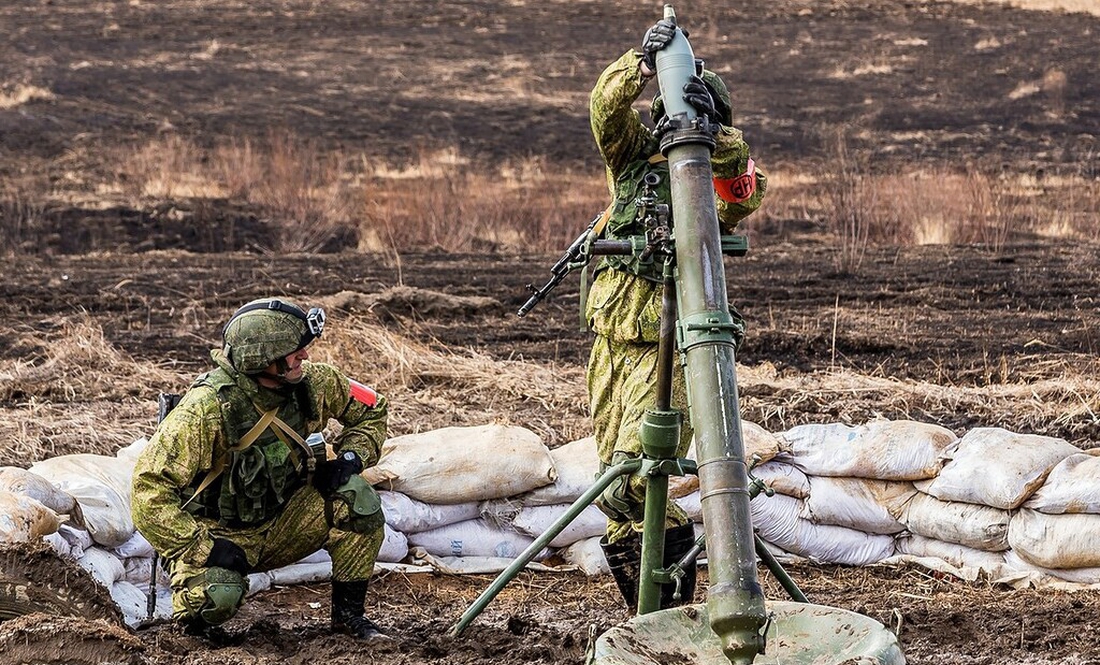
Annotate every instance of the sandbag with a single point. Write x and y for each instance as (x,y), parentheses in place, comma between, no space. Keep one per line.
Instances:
(1056,541)
(783,477)
(957,555)
(101,485)
(407,515)
(535,520)
(969,524)
(588,556)
(994,467)
(20,481)
(23,519)
(462,464)
(1072,486)
(133,602)
(135,546)
(471,538)
(395,546)
(776,519)
(1075,575)
(881,450)
(692,504)
(104,566)
(862,504)
(577,465)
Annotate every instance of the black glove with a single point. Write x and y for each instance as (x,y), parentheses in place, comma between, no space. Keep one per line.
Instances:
(698,96)
(227,554)
(655,39)
(330,475)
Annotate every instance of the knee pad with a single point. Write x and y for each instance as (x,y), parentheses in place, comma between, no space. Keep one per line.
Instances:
(221,592)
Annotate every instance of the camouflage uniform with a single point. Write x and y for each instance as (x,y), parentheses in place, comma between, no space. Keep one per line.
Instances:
(624,303)
(262,501)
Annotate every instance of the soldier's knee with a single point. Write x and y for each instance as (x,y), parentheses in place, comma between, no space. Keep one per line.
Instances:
(214,596)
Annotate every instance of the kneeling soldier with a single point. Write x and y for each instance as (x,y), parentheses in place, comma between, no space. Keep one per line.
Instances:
(228,486)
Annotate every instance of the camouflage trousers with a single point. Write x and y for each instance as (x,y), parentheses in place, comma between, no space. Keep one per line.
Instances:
(622,384)
(299,531)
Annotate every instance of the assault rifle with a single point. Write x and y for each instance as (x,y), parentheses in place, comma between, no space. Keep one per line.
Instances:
(574,258)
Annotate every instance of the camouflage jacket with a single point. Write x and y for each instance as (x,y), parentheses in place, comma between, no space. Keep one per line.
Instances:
(214,413)
(624,304)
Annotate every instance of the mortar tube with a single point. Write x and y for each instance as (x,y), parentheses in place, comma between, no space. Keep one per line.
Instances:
(528,555)
(735,601)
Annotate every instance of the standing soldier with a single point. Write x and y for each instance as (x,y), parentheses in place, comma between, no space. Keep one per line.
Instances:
(624,304)
(227,486)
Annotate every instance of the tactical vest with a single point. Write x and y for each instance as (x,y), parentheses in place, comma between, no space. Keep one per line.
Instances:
(624,221)
(256,482)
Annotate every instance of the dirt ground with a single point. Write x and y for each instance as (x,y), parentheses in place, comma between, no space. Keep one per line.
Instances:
(501,79)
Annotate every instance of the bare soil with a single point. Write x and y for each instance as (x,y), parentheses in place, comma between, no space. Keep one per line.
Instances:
(504,79)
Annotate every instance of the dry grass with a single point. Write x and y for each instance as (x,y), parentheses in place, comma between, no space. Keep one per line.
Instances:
(72,391)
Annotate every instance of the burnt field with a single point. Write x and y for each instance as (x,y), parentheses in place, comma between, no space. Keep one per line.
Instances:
(111,296)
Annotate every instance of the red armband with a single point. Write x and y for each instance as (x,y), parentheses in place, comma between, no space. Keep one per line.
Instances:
(739,189)
(363,394)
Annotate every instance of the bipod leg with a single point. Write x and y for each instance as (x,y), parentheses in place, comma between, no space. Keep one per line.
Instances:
(660,437)
(623,468)
(776,569)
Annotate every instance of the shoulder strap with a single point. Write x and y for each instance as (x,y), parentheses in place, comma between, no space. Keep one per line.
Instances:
(247,440)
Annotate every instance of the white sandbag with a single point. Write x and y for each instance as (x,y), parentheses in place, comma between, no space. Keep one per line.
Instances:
(59,544)
(535,520)
(783,477)
(129,454)
(969,524)
(776,519)
(1072,486)
(862,504)
(320,556)
(471,538)
(407,515)
(1076,575)
(882,450)
(133,602)
(692,504)
(78,538)
(588,556)
(577,465)
(258,582)
(959,556)
(998,468)
(395,546)
(138,570)
(101,485)
(20,481)
(135,546)
(23,519)
(1056,541)
(462,464)
(104,566)
(300,573)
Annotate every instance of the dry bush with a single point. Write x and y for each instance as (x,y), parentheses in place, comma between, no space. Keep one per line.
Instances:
(431,386)
(438,202)
(76,363)
(22,214)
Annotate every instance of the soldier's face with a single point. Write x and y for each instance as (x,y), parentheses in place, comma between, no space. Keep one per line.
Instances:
(293,365)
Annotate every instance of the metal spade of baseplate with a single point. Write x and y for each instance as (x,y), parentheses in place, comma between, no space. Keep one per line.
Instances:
(797,634)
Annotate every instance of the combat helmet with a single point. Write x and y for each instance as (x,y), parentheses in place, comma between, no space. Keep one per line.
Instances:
(718,92)
(267,330)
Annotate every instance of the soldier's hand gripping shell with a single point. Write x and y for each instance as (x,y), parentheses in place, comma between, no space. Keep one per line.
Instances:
(331,475)
(655,39)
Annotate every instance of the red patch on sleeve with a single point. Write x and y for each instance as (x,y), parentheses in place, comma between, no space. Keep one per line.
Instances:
(363,394)
(739,189)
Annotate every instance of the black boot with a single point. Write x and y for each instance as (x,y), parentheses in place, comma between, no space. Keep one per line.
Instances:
(625,560)
(678,541)
(347,611)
